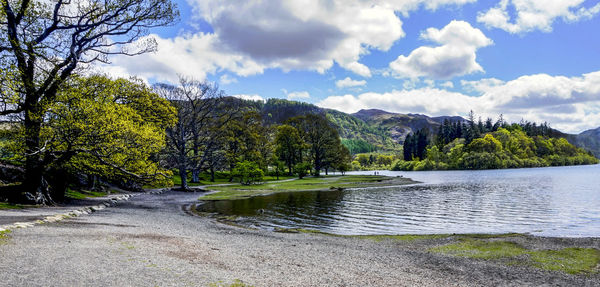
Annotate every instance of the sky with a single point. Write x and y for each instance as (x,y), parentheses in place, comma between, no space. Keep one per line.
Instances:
(537,60)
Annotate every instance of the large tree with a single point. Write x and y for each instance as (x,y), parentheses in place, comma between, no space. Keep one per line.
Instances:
(203,113)
(320,135)
(43,43)
(103,128)
(288,146)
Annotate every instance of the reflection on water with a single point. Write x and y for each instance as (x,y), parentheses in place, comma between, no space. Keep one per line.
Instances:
(560,201)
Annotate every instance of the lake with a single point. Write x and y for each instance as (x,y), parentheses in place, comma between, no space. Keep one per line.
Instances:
(552,201)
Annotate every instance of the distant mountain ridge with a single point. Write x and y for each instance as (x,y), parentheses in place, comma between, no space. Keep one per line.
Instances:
(385,130)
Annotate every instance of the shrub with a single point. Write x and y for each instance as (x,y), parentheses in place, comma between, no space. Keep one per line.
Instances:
(248,172)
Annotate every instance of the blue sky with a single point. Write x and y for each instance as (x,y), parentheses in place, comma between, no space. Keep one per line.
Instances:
(537,60)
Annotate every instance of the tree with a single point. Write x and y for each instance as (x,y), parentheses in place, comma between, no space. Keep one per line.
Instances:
(289,145)
(301,169)
(246,140)
(202,113)
(407,148)
(248,172)
(320,136)
(103,128)
(42,44)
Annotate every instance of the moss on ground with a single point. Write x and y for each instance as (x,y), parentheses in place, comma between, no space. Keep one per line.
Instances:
(4,236)
(569,260)
(238,191)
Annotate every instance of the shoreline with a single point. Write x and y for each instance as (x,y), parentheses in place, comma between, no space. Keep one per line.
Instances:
(152,237)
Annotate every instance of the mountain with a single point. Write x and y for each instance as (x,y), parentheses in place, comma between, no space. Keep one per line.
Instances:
(379,130)
(589,140)
(398,126)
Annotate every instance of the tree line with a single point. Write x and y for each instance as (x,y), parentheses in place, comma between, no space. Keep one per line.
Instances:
(489,145)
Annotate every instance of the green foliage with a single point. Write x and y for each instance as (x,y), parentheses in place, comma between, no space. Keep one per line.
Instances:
(507,147)
(248,173)
(358,146)
(110,128)
(288,145)
(302,169)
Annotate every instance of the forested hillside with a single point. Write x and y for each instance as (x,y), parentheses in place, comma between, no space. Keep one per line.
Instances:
(489,145)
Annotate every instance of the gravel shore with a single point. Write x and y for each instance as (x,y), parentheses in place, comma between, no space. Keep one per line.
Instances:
(151,241)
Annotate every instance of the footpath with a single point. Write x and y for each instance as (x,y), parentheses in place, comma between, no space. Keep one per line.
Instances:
(28,217)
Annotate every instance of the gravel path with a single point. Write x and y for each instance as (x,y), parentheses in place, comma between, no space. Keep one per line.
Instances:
(151,241)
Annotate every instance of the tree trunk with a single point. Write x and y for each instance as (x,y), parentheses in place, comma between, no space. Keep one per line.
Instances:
(34,187)
(195,175)
(183,175)
(59,181)
(212,174)
(231,166)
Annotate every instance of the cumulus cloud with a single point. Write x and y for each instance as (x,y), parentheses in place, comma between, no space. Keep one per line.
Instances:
(226,79)
(298,95)
(196,55)
(480,86)
(349,83)
(253,97)
(447,84)
(455,55)
(535,14)
(248,37)
(571,104)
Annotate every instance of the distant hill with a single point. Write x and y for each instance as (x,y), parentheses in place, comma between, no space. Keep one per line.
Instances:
(589,140)
(398,126)
(379,130)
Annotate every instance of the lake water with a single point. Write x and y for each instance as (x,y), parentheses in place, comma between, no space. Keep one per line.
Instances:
(553,201)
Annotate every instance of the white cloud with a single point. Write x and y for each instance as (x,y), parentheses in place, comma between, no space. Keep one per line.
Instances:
(571,104)
(190,55)
(226,79)
(253,97)
(298,95)
(480,86)
(455,56)
(349,83)
(535,14)
(447,84)
(249,37)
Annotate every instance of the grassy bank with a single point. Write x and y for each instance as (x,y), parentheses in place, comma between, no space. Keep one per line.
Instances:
(509,249)
(221,178)
(83,194)
(7,205)
(573,260)
(238,191)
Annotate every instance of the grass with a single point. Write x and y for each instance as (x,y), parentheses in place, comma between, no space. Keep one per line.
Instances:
(221,178)
(569,260)
(238,191)
(82,194)
(6,205)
